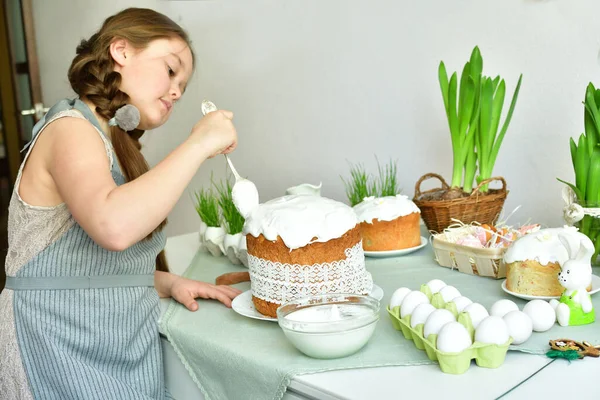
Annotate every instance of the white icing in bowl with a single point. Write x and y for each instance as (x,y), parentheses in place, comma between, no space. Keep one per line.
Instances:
(331,325)
(385,208)
(300,220)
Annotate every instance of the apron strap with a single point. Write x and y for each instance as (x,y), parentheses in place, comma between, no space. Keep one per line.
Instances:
(78,282)
(63,105)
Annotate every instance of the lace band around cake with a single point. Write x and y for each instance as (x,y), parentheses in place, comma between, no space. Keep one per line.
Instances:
(278,283)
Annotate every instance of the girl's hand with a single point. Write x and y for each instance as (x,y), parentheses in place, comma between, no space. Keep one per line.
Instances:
(186,291)
(215,133)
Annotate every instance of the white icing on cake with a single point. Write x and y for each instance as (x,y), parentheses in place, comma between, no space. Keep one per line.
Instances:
(297,219)
(385,208)
(542,246)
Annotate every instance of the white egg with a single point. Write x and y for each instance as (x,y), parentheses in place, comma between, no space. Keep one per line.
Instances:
(398,296)
(436,321)
(461,302)
(554,303)
(420,314)
(435,285)
(453,338)
(492,330)
(541,313)
(449,292)
(477,312)
(519,326)
(411,301)
(503,307)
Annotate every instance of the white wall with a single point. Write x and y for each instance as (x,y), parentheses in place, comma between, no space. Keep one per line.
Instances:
(317,83)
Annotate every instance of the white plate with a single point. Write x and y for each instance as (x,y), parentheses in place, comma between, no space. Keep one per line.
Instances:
(595,289)
(396,253)
(243,304)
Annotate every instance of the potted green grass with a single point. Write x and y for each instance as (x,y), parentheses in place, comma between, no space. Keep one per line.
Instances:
(234,243)
(474,105)
(362,184)
(211,231)
(583,197)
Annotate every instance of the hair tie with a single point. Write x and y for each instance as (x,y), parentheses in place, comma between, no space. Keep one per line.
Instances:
(127,118)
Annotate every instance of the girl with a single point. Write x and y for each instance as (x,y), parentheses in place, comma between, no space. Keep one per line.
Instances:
(85,266)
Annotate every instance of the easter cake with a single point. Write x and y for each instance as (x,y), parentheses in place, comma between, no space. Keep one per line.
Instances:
(533,262)
(388,223)
(303,245)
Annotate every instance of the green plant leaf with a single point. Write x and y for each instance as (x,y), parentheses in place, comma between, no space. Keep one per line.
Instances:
(573,151)
(452,114)
(590,132)
(443,78)
(582,164)
(388,181)
(591,106)
(507,120)
(470,169)
(592,194)
(464,77)
(207,207)
(233,221)
(596,95)
(359,185)
(476,62)
(485,121)
(497,105)
(575,189)
(495,82)
(467,108)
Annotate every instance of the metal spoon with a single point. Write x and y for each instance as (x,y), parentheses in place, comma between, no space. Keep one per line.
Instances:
(244,193)
(209,106)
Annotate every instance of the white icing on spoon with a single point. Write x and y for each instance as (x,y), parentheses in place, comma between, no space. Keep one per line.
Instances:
(245,196)
(244,192)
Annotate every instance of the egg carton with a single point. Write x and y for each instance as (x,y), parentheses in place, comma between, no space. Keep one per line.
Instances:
(485,355)
(217,242)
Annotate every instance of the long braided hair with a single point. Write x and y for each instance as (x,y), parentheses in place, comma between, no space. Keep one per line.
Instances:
(92,76)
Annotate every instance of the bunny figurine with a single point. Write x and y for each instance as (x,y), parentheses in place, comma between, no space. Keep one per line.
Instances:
(575,304)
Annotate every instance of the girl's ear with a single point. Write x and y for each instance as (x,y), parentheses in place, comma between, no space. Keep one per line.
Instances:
(118,51)
(565,241)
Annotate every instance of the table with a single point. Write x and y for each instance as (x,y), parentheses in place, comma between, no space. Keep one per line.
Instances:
(522,376)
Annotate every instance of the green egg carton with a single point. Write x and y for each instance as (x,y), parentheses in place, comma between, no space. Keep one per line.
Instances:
(485,355)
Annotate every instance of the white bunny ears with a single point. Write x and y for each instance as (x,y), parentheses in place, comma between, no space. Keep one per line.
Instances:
(582,253)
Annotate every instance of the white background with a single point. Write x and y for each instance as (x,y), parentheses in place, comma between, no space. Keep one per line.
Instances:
(315,84)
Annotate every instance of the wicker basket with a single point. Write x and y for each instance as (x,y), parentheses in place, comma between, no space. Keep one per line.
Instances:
(469,260)
(477,207)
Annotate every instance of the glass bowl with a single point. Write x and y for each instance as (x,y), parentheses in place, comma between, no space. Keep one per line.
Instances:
(329,325)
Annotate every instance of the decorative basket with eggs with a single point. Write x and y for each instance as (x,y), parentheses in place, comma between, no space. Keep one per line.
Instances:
(476,249)
(456,343)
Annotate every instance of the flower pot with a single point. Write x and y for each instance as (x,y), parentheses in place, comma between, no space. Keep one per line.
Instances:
(243,251)
(479,207)
(201,233)
(584,216)
(230,247)
(213,240)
